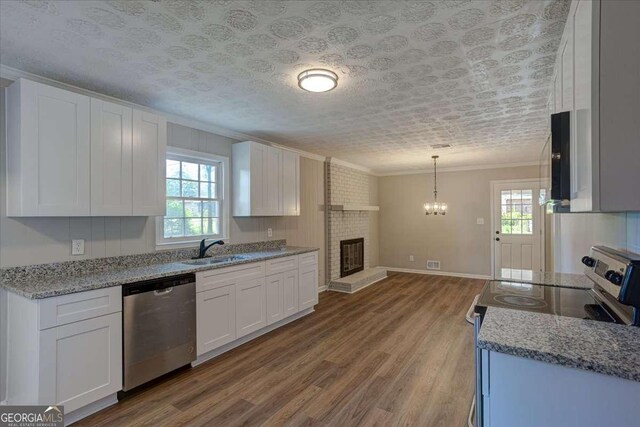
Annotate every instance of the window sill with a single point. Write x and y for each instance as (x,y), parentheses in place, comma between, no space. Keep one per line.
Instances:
(192,244)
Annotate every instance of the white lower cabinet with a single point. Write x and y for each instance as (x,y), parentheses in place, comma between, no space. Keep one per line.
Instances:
(250,306)
(240,300)
(308,286)
(80,363)
(64,350)
(216,318)
(275,299)
(290,293)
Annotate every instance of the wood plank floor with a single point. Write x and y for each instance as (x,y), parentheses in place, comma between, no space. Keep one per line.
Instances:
(396,353)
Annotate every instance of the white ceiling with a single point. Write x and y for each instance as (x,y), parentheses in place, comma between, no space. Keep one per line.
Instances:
(412,74)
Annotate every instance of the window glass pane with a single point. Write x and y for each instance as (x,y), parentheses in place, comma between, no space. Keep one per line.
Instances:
(527,227)
(192,209)
(506,211)
(210,209)
(193,227)
(189,189)
(173,169)
(527,196)
(516,196)
(208,190)
(506,226)
(173,187)
(174,208)
(505,196)
(190,171)
(516,226)
(207,173)
(173,227)
(210,226)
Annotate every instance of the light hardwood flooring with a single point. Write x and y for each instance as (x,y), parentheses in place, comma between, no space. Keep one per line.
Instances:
(397,353)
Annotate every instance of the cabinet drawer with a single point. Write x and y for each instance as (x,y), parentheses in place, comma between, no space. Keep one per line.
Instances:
(71,308)
(213,279)
(310,258)
(280,265)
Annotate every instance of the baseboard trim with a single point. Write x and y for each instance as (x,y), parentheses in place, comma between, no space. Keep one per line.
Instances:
(439,273)
(90,409)
(237,343)
(359,289)
(322,288)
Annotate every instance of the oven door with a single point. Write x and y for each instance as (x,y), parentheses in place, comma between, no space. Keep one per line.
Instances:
(478,400)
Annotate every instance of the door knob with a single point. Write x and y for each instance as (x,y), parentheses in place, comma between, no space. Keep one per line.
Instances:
(497,239)
(497,232)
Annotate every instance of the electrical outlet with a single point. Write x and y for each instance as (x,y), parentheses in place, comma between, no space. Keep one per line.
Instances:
(77,247)
(411,258)
(480,221)
(269,232)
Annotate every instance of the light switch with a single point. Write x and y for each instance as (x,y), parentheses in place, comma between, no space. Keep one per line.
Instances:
(269,232)
(77,247)
(480,221)
(411,258)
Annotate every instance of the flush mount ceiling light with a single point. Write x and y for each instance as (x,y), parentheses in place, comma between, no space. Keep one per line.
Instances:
(317,80)
(435,208)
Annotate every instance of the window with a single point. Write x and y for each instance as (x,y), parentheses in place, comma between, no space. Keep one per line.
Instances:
(195,197)
(516,211)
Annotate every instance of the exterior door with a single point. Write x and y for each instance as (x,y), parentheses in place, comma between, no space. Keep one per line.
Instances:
(517,229)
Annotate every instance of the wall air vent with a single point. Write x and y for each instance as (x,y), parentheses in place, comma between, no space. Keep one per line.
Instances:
(436,146)
(433,265)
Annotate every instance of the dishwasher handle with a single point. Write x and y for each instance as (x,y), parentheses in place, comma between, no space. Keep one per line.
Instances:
(161,286)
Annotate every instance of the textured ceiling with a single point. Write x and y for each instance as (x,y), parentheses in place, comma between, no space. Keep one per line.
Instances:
(413,74)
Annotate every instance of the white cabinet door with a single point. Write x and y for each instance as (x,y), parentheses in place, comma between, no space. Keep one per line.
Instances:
(258,163)
(308,286)
(250,306)
(581,126)
(271,181)
(275,300)
(111,149)
(290,292)
(81,362)
(216,318)
(48,151)
(290,183)
(149,167)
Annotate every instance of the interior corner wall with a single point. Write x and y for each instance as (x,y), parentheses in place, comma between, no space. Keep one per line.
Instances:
(456,240)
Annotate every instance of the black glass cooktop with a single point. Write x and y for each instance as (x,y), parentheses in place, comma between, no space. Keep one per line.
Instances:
(569,302)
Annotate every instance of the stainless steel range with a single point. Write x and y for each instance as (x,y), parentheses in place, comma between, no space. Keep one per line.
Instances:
(615,297)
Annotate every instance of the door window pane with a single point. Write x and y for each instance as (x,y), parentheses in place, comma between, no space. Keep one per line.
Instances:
(516,211)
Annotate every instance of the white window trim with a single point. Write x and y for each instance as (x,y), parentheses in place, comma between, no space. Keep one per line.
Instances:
(226,199)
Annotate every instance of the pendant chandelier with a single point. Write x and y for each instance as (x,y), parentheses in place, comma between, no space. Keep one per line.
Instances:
(435,208)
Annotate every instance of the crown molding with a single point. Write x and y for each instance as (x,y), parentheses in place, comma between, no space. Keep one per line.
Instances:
(13,74)
(346,164)
(461,168)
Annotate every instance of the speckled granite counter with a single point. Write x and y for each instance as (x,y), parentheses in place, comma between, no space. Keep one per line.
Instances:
(566,280)
(48,280)
(606,348)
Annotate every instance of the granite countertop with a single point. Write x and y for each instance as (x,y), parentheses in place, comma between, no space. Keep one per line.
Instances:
(36,286)
(606,348)
(565,280)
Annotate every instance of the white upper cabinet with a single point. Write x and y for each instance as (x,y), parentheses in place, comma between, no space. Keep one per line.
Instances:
(290,183)
(149,164)
(48,151)
(598,62)
(266,180)
(111,164)
(71,155)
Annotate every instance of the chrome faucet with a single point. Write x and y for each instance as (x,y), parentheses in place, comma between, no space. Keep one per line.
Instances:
(202,251)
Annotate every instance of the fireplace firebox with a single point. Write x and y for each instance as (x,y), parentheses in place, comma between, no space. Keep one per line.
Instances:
(351,256)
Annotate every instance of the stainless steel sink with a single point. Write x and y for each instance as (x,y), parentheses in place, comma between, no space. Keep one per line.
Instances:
(213,260)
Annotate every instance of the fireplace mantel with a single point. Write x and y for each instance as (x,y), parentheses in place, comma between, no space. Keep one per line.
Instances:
(359,208)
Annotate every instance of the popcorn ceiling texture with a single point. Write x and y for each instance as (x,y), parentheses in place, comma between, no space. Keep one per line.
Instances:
(473,74)
(346,186)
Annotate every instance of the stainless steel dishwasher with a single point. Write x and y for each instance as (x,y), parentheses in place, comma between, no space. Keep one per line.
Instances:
(159,327)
